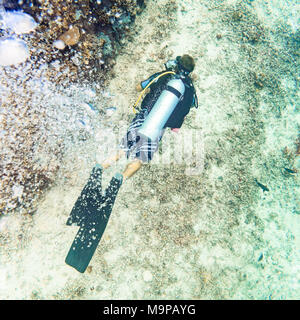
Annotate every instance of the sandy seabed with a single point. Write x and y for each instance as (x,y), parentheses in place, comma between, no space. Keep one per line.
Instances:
(214,234)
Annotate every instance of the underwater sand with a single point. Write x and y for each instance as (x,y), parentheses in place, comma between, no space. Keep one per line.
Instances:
(211,235)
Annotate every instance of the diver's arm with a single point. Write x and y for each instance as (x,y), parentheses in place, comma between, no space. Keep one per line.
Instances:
(143,84)
(139,88)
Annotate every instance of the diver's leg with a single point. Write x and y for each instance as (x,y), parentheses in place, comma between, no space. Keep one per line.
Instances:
(132,168)
(108,162)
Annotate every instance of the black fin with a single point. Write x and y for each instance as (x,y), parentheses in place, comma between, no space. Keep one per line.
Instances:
(90,196)
(92,227)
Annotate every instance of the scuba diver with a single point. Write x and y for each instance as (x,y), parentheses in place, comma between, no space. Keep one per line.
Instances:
(170,96)
(165,106)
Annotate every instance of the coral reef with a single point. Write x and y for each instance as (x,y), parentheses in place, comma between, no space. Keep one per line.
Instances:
(87,19)
(72,42)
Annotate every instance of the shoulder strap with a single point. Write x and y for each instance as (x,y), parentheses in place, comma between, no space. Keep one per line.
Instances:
(195,98)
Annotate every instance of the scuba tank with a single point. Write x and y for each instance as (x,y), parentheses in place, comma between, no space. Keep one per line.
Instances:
(162,109)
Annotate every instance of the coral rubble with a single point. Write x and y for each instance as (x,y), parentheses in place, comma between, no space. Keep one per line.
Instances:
(68,42)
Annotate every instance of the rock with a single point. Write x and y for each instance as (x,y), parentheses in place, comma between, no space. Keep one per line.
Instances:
(13,51)
(70,37)
(19,22)
(59,44)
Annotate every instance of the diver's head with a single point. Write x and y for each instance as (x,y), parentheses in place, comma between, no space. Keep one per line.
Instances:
(183,64)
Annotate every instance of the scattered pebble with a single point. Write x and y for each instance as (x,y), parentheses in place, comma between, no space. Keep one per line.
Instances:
(70,37)
(19,22)
(59,44)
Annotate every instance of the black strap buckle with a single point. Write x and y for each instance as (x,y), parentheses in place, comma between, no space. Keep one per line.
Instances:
(175,91)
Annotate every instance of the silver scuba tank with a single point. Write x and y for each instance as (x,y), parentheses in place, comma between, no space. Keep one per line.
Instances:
(162,109)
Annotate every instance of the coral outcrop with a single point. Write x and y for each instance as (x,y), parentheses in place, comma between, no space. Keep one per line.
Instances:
(73,42)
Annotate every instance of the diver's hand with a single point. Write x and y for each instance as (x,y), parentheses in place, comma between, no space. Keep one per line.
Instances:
(138,87)
(193,76)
